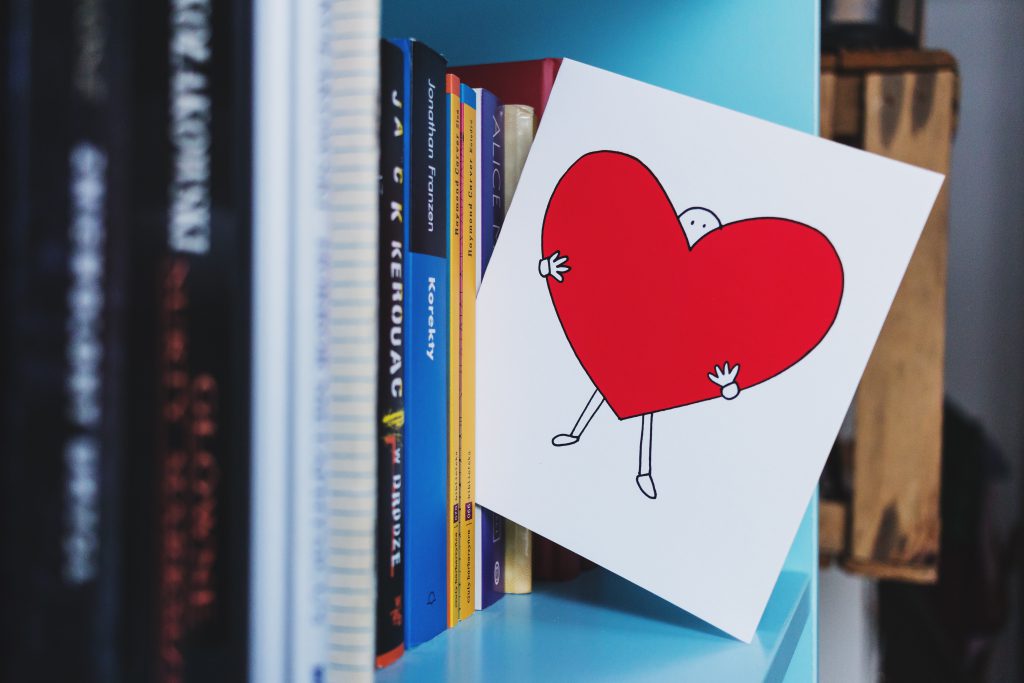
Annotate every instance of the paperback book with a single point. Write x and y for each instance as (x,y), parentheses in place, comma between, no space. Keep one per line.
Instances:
(426,333)
(466,434)
(453,89)
(390,357)
(490,211)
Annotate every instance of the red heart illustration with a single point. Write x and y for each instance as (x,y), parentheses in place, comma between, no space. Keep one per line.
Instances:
(649,317)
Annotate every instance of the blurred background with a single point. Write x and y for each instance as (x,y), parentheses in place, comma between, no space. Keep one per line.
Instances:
(964,620)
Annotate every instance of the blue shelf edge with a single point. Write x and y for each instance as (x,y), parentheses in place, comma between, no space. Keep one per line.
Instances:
(601,627)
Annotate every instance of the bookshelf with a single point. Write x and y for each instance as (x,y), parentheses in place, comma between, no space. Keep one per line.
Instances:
(601,627)
(756,56)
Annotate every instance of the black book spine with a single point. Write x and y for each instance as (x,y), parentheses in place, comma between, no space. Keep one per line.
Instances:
(191,326)
(61,555)
(390,357)
(428,232)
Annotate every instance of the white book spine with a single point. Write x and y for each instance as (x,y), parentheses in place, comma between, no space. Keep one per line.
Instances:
(344,192)
(308,640)
(268,642)
(314,501)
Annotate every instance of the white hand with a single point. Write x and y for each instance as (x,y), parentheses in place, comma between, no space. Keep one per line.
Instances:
(554,266)
(726,378)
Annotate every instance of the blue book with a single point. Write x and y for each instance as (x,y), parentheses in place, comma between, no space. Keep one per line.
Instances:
(490,209)
(426,332)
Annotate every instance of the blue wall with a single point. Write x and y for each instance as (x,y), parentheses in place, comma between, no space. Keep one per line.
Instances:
(757,56)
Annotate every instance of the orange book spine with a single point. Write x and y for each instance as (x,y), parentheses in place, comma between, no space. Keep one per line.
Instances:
(467,353)
(452,91)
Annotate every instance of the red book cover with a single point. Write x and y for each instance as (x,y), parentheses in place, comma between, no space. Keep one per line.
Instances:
(514,82)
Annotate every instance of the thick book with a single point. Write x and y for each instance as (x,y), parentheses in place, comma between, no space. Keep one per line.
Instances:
(519,126)
(426,336)
(453,95)
(316,167)
(189,558)
(528,82)
(467,351)
(63,227)
(390,354)
(490,211)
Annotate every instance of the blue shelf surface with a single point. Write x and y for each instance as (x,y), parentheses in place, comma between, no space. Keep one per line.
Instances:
(600,627)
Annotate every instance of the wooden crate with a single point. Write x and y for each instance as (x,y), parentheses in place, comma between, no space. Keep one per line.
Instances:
(900,104)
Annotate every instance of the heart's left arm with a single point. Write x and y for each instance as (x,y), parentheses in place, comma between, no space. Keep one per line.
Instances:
(554,266)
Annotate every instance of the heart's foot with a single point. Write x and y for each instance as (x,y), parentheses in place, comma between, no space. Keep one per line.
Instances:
(646,484)
(564,440)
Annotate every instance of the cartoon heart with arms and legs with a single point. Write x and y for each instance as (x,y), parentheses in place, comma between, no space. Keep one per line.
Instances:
(663,309)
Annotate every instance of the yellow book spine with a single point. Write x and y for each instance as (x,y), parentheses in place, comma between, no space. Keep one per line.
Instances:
(467,379)
(454,338)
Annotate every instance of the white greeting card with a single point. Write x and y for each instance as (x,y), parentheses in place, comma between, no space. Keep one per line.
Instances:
(671,329)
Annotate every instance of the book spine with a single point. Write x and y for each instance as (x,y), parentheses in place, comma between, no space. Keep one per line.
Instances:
(336,438)
(426,385)
(490,537)
(490,160)
(146,626)
(61,587)
(390,352)
(275,618)
(305,280)
(467,367)
(519,126)
(453,92)
(198,206)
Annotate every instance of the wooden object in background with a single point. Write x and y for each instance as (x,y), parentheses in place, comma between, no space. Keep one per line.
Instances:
(832,521)
(902,105)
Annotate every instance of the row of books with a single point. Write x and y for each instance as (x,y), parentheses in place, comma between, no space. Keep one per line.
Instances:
(240,249)
(125,280)
(451,155)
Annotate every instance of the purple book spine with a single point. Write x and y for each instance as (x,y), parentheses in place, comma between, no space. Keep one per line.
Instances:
(491,148)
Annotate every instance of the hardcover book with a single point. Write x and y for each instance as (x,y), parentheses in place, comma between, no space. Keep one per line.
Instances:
(315,342)
(191,83)
(527,82)
(519,125)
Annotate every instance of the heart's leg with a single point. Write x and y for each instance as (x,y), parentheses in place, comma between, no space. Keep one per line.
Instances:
(643,475)
(585,417)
